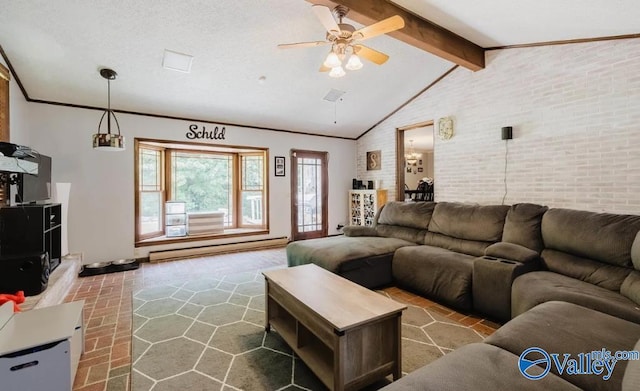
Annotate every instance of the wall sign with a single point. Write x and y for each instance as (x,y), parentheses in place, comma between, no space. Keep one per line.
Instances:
(374,160)
(196,133)
(280,165)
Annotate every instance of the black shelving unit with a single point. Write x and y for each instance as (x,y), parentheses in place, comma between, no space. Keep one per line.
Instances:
(31,228)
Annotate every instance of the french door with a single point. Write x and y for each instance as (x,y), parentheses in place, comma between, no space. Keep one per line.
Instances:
(309,194)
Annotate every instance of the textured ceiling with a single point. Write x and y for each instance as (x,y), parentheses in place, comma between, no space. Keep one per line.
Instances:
(57,48)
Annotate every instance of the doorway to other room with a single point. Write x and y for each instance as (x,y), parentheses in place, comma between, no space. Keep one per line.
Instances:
(415,162)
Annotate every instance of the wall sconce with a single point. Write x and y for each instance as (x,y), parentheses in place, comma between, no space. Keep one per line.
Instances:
(507,133)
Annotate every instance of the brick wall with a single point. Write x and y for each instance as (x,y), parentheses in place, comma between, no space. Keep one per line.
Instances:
(575,111)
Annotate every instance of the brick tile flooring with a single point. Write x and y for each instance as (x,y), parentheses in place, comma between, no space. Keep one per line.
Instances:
(105,365)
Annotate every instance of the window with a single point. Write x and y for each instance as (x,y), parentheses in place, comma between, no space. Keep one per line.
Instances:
(207,178)
(151,192)
(204,180)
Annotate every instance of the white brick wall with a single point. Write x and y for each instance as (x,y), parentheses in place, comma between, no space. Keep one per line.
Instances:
(575,111)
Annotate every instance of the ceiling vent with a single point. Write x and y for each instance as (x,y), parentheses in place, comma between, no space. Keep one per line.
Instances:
(333,95)
(177,61)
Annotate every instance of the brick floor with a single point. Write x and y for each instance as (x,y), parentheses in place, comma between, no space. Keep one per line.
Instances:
(105,364)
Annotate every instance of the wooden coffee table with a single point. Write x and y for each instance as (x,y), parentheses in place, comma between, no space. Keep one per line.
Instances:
(347,335)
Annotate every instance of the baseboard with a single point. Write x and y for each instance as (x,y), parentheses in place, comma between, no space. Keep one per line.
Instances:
(169,255)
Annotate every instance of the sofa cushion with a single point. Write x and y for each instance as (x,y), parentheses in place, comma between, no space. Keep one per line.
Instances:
(405,233)
(435,272)
(635,252)
(559,327)
(523,226)
(471,222)
(534,288)
(470,247)
(514,252)
(631,379)
(405,220)
(600,236)
(407,214)
(334,253)
(631,287)
(472,367)
(598,273)
(357,230)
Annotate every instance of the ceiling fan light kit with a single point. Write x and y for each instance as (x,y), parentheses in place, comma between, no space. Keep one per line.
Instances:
(332,60)
(344,38)
(337,72)
(354,63)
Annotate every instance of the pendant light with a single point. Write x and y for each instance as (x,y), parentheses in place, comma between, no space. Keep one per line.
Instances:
(412,157)
(108,141)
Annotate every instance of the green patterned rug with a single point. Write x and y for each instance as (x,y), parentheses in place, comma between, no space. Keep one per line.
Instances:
(208,334)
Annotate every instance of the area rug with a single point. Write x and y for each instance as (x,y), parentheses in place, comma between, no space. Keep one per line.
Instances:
(208,334)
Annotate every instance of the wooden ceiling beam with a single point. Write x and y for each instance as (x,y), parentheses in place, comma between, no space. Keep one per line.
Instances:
(417,31)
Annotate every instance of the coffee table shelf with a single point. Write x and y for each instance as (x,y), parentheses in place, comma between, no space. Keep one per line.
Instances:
(347,335)
(305,344)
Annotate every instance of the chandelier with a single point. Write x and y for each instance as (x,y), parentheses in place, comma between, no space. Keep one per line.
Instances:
(412,157)
(108,141)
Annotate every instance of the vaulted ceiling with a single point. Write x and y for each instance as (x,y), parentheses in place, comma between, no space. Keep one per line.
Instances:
(238,74)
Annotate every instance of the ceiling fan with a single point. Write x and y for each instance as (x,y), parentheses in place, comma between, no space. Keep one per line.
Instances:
(344,40)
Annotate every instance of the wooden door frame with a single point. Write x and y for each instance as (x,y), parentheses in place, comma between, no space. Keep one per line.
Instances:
(325,192)
(400,167)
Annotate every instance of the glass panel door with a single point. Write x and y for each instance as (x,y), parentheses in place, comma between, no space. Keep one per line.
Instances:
(309,190)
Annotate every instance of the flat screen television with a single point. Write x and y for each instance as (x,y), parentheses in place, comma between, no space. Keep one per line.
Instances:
(34,188)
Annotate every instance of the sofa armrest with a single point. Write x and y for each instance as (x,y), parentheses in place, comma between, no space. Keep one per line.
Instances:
(360,231)
(511,251)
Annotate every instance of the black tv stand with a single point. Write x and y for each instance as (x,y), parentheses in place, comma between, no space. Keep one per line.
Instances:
(31,228)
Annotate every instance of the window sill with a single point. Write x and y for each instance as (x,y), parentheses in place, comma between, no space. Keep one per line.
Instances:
(228,233)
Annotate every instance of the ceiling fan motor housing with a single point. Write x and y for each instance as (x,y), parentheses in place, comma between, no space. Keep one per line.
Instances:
(340,11)
(346,33)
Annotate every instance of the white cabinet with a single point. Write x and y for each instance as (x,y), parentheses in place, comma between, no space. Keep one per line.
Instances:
(40,348)
(364,204)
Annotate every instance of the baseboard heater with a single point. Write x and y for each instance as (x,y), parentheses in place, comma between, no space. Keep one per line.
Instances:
(168,255)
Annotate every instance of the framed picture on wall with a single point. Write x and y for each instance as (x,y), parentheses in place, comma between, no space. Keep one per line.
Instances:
(280,167)
(419,169)
(374,160)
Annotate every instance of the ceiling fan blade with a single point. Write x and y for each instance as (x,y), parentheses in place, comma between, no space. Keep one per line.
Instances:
(324,68)
(382,27)
(302,44)
(372,55)
(326,18)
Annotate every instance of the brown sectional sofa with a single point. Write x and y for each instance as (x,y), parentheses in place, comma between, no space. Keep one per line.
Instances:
(570,279)
(467,256)
(557,327)
(588,259)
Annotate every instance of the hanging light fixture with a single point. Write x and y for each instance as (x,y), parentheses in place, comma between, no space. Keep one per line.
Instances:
(332,60)
(336,56)
(354,63)
(412,157)
(108,141)
(337,72)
